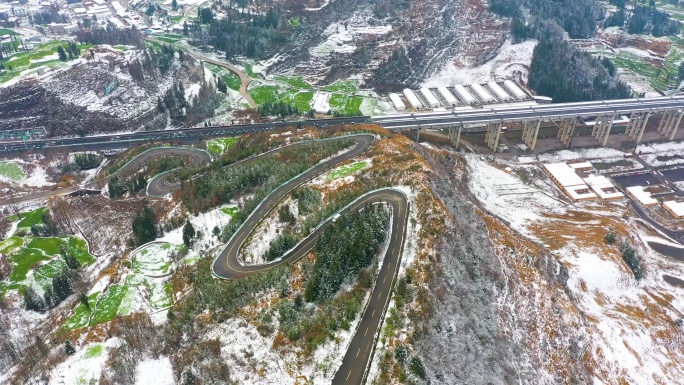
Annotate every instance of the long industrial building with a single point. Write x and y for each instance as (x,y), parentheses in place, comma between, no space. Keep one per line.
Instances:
(412,99)
(517,92)
(398,103)
(429,97)
(448,96)
(503,95)
(465,95)
(482,93)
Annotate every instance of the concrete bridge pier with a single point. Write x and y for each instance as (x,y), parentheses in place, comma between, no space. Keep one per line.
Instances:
(670,122)
(455,135)
(415,133)
(567,128)
(530,133)
(637,125)
(602,128)
(493,135)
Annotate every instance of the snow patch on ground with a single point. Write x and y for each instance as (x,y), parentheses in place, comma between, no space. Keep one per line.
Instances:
(511,57)
(84,366)
(158,372)
(267,231)
(581,153)
(489,184)
(651,151)
(340,36)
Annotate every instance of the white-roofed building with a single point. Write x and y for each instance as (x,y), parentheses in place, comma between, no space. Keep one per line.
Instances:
(581,166)
(603,187)
(503,95)
(482,93)
(321,102)
(412,99)
(448,96)
(466,96)
(675,208)
(429,97)
(398,103)
(644,197)
(517,92)
(568,181)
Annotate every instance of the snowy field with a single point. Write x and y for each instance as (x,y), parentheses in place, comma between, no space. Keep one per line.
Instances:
(662,154)
(511,57)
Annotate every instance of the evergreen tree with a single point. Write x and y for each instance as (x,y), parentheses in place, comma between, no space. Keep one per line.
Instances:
(62,55)
(174,4)
(69,348)
(150,10)
(221,85)
(185,28)
(32,300)
(144,226)
(188,233)
(84,301)
(71,261)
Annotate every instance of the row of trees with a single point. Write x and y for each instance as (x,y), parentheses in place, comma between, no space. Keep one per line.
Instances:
(111,36)
(280,109)
(155,62)
(576,17)
(221,185)
(344,248)
(71,49)
(567,74)
(559,69)
(252,35)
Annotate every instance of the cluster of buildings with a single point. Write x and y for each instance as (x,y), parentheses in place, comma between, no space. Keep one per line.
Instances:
(639,193)
(459,95)
(588,186)
(579,182)
(16,12)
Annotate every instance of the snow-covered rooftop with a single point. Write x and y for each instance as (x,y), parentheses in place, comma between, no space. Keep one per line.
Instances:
(563,174)
(581,166)
(676,208)
(603,187)
(644,197)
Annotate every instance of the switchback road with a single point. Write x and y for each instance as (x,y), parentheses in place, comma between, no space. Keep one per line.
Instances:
(227,265)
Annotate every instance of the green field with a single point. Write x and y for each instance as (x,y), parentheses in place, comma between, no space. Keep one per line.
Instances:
(249,71)
(12,171)
(6,31)
(29,218)
(176,19)
(345,170)
(93,351)
(303,100)
(10,244)
(23,259)
(296,82)
(120,47)
(153,260)
(82,313)
(117,301)
(659,78)
(264,94)
(232,81)
(166,39)
(347,105)
(160,294)
(219,146)
(22,60)
(230,210)
(294,21)
(342,86)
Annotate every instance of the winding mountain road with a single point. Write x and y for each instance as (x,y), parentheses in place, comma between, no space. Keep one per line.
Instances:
(228,266)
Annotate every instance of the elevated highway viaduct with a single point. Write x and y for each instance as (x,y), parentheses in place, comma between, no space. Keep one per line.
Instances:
(567,115)
(491,118)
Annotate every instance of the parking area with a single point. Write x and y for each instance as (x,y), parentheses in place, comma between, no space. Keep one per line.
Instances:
(642,179)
